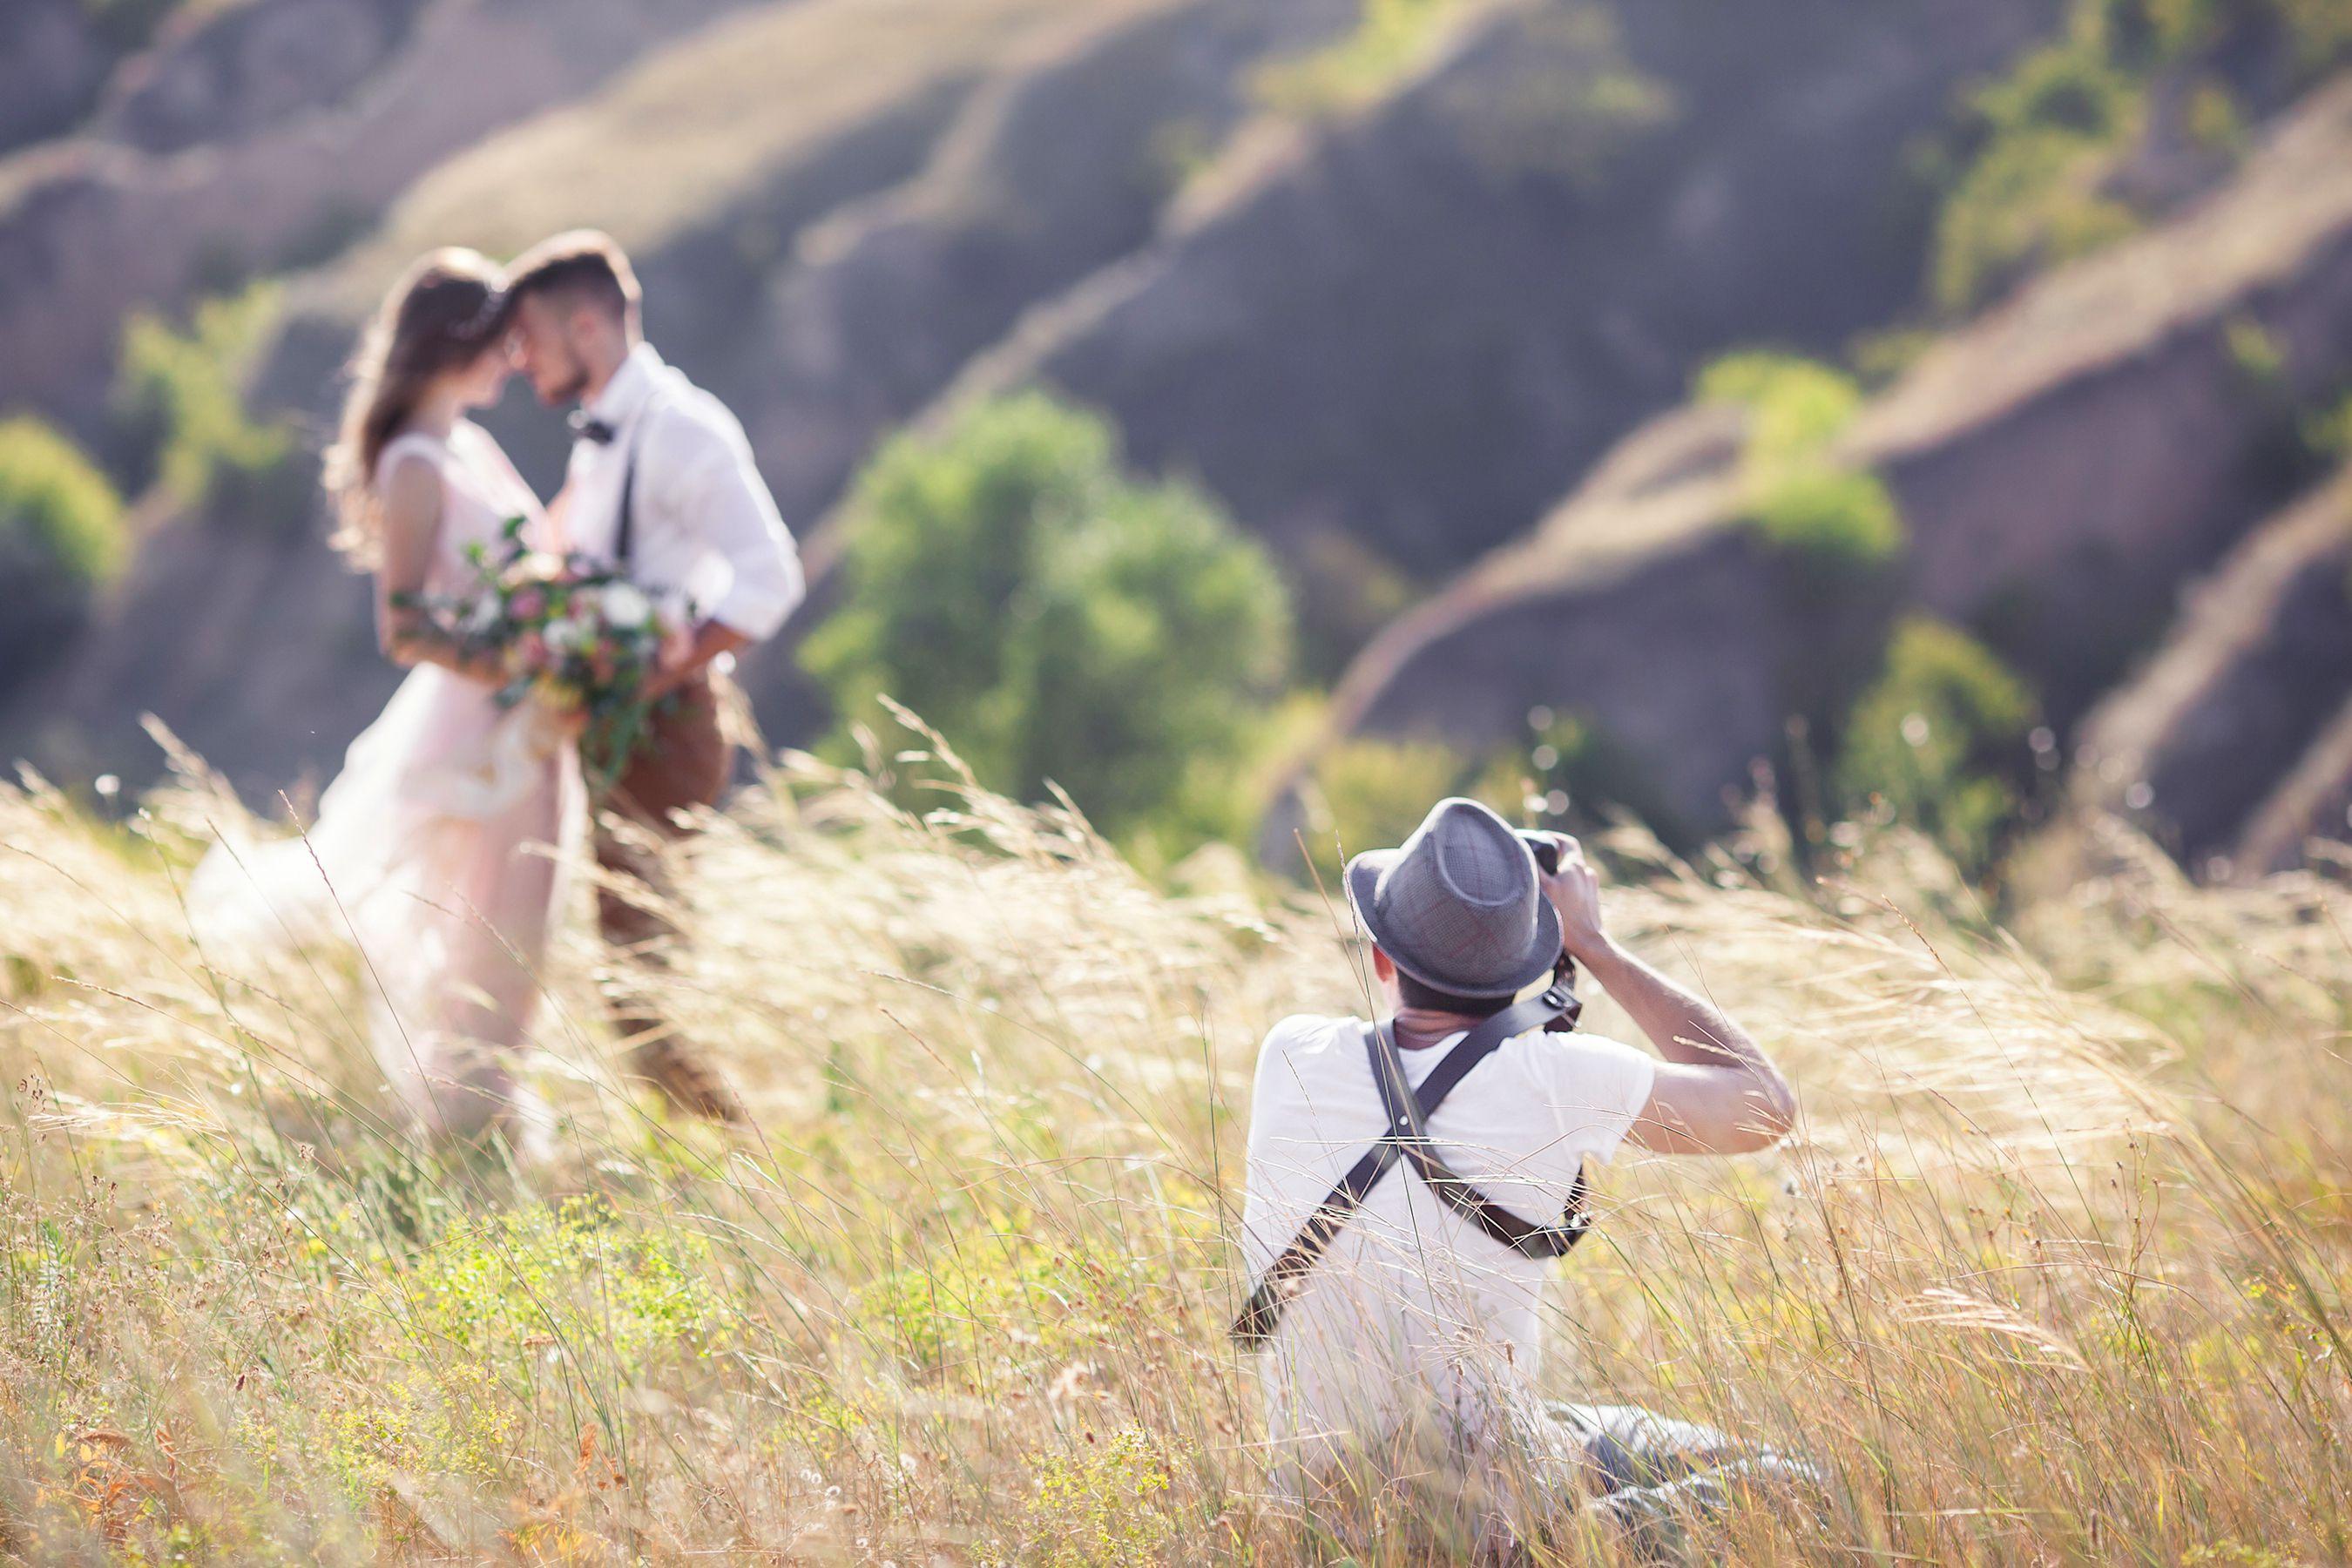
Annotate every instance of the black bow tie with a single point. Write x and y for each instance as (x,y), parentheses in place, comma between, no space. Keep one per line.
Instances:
(587,427)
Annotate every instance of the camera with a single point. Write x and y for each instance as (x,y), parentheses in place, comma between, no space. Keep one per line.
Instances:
(1545,848)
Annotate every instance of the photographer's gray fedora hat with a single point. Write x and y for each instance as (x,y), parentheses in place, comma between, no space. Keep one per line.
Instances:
(1459,905)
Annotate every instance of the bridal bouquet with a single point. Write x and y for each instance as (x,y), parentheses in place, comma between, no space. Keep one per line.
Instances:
(569,632)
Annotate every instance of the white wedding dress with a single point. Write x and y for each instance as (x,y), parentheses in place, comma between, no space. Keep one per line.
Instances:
(441,843)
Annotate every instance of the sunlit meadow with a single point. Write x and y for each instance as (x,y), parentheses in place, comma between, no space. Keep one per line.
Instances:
(2055,1270)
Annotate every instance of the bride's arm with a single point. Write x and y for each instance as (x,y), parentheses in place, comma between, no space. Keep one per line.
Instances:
(412,524)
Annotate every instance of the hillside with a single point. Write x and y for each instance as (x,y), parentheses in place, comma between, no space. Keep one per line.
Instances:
(1448,304)
(2066,467)
(1399,288)
(264,138)
(827,268)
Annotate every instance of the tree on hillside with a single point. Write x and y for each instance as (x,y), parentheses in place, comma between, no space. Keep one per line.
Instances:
(1058,622)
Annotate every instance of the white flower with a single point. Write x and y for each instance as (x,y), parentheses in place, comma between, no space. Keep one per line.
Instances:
(626,607)
(564,635)
(481,616)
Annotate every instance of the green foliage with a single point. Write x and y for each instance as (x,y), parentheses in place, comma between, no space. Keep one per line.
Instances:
(951,1315)
(2328,432)
(1369,792)
(61,536)
(1939,739)
(1838,525)
(2321,31)
(1568,103)
(566,1275)
(2043,140)
(1061,624)
(180,395)
(2031,195)
(1106,1502)
(2256,353)
(1344,592)
(59,514)
(1796,406)
(1389,39)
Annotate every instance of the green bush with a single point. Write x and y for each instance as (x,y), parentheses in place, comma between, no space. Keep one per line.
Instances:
(1796,406)
(1059,623)
(1840,522)
(180,397)
(61,536)
(1939,739)
(1838,525)
(1368,793)
(58,513)
(2026,183)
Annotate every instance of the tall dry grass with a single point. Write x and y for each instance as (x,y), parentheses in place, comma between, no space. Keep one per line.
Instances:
(2055,1270)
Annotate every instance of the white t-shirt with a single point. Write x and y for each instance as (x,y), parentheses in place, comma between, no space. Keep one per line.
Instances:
(1413,1311)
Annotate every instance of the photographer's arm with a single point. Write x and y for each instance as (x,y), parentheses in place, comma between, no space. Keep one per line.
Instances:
(1716,1092)
(411,516)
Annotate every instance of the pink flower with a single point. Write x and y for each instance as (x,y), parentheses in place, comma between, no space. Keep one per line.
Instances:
(533,651)
(528,606)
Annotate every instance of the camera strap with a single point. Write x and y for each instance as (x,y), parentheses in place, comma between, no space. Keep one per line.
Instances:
(1407,1139)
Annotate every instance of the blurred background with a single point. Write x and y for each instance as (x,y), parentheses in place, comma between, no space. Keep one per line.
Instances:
(1258,417)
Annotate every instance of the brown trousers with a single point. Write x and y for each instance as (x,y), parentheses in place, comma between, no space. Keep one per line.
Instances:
(684,762)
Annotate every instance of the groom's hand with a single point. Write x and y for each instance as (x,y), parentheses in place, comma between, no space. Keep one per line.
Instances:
(681,660)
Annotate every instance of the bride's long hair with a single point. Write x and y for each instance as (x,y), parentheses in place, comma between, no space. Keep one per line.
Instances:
(444,310)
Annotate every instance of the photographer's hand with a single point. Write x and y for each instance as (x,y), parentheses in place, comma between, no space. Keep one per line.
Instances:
(1716,1092)
(1575,893)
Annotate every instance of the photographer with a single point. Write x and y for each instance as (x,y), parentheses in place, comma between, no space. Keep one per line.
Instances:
(1410,1180)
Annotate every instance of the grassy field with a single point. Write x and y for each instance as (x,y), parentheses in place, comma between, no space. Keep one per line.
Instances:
(2055,1270)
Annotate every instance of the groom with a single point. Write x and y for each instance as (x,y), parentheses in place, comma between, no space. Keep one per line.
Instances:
(662,485)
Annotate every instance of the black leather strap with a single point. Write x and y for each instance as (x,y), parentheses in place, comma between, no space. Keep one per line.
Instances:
(1406,1137)
(1542,1242)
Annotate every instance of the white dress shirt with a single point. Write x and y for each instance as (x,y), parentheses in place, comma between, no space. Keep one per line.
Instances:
(706,541)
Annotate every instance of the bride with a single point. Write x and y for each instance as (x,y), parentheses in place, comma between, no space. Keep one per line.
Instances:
(442,839)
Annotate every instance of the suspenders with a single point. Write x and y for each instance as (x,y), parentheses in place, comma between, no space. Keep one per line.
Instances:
(1407,1139)
(624,532)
